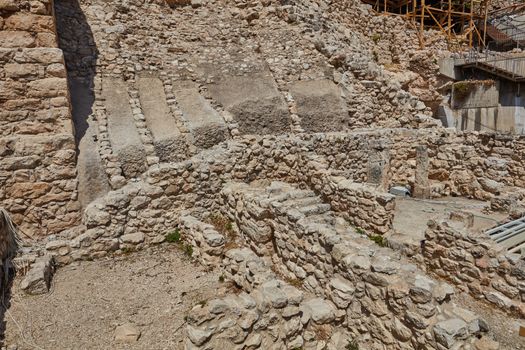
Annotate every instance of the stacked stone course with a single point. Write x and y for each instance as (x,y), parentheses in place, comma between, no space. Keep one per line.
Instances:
(152,205)
(380,299)
(476,263)
(38,183)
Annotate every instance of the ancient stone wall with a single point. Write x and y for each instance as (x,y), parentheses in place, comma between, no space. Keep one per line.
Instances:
(268,314)
(152,205)
(366,289)
(207,244)
(477,165)
(475,262)
(37,147)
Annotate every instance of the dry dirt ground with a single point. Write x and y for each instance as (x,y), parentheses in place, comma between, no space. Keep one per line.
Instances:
(152,289)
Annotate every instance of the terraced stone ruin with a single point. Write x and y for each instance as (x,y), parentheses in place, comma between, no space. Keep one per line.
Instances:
(270,174)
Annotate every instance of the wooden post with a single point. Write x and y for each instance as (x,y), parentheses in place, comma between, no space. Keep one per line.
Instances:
(422,26)
(471,34)
(449,19)
(485,23)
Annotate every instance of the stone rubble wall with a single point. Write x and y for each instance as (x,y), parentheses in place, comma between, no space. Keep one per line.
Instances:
(476,263)
(37,173)
(206,242)
(153,205)
(404,308)
(361,204)
(268,314)
(469,164)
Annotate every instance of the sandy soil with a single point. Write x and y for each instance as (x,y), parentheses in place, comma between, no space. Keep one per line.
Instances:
(153,289)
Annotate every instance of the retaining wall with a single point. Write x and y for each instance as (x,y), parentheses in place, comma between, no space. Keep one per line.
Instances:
(37,173)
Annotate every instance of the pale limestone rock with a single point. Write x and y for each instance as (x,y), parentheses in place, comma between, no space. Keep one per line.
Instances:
(133,238)
(450,331)
(127,333)
(38,278)
(198,336)
(320,310)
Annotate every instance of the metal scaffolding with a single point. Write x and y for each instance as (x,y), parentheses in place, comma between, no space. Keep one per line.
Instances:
(463,22)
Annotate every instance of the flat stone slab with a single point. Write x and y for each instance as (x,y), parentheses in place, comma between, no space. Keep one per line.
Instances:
(254,101)
(204,122)
(123,135)
(319,105)
(168,140)
(92,179)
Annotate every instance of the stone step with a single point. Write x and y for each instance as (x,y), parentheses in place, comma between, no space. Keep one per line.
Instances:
(167,139)
(315,209)
(205,124)
(320,97)
(254,101)
(92,179)
(326,218)
(302,202)
(123,134)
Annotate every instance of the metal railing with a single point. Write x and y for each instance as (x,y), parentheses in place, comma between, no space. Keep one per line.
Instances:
(508,64)
(508,30)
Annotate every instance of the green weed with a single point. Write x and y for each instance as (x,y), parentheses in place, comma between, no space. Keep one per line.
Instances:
(174,236)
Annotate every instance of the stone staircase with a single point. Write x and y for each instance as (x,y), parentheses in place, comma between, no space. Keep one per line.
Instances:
(131,125)
(308,244)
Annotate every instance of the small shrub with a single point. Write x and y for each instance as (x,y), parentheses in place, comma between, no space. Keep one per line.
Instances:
(188,250)
(376,37)
(297,283)
(352,345)
(221,278)
(378,239)
(127,250)
(360,231)
(322,332)
(173,237)
(221,224)
(462,90)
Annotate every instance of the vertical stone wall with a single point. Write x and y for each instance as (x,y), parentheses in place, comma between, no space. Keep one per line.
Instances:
(37,148)
(477,263)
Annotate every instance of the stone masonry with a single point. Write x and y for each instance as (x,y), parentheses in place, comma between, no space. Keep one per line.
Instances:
(38,184)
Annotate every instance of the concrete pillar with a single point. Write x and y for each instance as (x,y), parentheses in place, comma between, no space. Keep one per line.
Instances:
(421,183)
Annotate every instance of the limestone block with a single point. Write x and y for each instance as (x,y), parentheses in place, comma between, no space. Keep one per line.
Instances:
(16,39)
(320,310)
(8,5)
(38,278)
(133,238)
(450,331)
(127,333)
(44,55)
(30,22)
(48,87)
